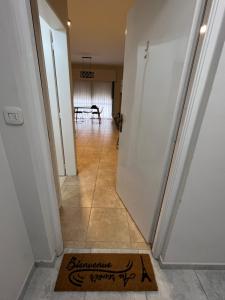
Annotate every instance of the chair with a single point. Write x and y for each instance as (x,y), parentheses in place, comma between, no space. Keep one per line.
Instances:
(97,112)
(76,112)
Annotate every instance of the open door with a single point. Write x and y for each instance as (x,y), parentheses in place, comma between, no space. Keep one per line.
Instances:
(53,94)
(155,56)
(57,68)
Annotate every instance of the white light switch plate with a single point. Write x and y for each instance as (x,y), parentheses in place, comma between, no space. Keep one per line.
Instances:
(13,115)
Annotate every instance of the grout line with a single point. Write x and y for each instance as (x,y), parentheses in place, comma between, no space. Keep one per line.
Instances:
(200,283)
(85,295)
(109,242)
(128,226)
(102,136)
(129,216)
(94,241)
(99,160)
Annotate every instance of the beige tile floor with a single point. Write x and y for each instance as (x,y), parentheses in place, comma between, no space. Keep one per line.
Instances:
(92,214)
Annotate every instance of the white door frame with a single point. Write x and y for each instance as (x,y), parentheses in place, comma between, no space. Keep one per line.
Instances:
(46,35)
(62,68)
(60,46)
(201,89)
(58,107)
(206,70)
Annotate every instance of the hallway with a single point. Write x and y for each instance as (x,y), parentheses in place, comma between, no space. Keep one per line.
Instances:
(92,214)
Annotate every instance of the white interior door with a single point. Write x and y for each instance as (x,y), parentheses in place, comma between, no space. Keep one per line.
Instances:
(150,96)
(53,94)
(65,99)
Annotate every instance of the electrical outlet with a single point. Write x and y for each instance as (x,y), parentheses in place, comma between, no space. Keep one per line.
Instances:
(13,115)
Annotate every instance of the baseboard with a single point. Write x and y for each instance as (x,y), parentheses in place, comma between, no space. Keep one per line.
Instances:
(46,263)
(190,266)
(26,282)
(43,264)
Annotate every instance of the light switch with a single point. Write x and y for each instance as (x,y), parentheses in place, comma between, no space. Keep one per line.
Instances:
(13,115)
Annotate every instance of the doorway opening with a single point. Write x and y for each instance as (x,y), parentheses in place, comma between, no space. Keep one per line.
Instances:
(92,213)
(104,204)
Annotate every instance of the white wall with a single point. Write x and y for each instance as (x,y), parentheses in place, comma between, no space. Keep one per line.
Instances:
(27,146)
(198,235)
(16,258)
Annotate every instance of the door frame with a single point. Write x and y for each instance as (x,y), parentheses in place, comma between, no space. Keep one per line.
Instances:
(44,85)
(69,150)
(200,91)
(48,51)
(41,75)
(58,106)
(66,106)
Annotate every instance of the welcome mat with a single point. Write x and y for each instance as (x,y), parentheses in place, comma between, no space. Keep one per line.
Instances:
(106,272)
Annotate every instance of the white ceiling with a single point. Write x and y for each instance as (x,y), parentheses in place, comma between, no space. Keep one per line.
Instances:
(98,29)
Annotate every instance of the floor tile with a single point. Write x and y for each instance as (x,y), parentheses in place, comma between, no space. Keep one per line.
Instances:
(104,197)
(75,196)
(36,294)
(108,225)
(213,283)
(118,250)
(71,180)
(106,173)
(85,178)
(78,201)
(141,246)
(106,182)
(41,285)
(74,222)
(137,295)
(108,245)
(75,244)
(95,188)
(43,279)
(135,235)
(177,285)
(67,296)
(107,296)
